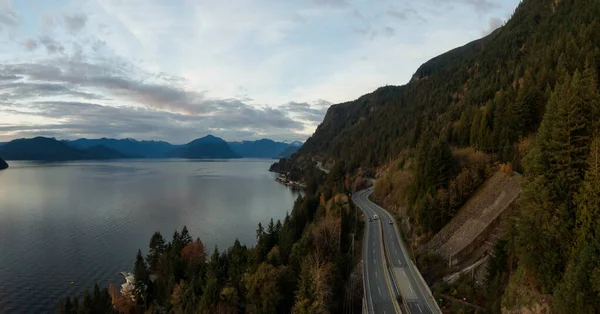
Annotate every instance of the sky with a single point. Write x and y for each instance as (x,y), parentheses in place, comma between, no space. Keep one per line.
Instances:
(180,69)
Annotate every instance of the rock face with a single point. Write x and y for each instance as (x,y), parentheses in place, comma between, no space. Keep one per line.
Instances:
(3,164)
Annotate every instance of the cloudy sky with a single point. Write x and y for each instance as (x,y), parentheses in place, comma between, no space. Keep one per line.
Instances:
(180,69)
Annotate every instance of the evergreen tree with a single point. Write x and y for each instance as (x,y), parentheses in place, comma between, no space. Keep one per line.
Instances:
(185,236)
(140,273)
(588,200)
(157,247)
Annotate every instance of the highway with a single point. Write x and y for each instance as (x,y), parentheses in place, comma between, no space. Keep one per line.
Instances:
(379,291)
(405,275)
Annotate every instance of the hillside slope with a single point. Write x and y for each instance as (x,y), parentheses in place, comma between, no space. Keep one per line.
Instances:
(485,94)
(3,164)
(527,96)
(264,148)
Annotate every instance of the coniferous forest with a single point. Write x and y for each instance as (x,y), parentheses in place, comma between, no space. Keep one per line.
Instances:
(526,96)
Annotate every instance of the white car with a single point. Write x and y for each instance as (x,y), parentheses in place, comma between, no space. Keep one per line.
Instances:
(375,217)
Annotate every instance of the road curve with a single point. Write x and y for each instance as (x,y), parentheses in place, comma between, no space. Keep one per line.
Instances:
(414,290)
(378,286)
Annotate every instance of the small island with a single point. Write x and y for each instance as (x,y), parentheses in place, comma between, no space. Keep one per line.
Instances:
(3,164)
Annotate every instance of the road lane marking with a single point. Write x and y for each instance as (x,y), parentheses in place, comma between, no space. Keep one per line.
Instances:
(399,262)
(376,276)
(419,308)
(404,273)
(378,288)
(411,290)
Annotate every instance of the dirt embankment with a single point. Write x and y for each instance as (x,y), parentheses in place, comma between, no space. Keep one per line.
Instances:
(476,217)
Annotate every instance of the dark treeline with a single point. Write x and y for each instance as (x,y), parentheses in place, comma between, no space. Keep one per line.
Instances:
(303,264)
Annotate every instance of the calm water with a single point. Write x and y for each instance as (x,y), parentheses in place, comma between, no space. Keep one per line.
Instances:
(83,222)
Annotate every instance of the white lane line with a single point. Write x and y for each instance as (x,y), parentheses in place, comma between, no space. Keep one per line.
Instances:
(379,291)
(419,308)
(384,312)
(399,263)
(376,276)
(411,290)
(404,273)
(396,251)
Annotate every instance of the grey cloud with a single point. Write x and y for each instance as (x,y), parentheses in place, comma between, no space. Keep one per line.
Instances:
(75,22)
(30,44)
(482,6)
(388,31)
(166,110)
(373,35)
(402,15)
(47,21)
(94,120)
(8,18)
(332,3)
(361,31)
(307,112)
(17,91)
(51,45)
(9,77)
(493,24)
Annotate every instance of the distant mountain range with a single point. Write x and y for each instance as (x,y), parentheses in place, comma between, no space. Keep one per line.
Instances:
(129,147)
(50,149)
(288,152)
(264,148)
(204,148)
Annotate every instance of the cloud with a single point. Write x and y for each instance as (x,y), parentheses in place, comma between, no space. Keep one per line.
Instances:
(52,46)
(388,31)
(30,44)
(493,24)
(75,22)
(8,17)
(332,3)
(95,120)
(305,111)
(47,21)
(143,108)
(401,15)
(482,6)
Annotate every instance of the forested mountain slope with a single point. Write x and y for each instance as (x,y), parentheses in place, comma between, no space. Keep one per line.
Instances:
(485,94)
(526,95)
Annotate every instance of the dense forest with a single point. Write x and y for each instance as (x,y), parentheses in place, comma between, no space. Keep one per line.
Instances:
(306,263)
(525,96)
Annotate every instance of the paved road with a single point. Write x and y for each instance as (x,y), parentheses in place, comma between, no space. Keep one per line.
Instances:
(378,287)
(414,290)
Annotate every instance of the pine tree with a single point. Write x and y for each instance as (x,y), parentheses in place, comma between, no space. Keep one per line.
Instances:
(588,200)
(570,135)
(156,247)
(140,273)
(185,236)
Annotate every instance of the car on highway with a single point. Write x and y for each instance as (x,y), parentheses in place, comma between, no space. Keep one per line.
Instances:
(391,222)
(375,217)
(370,219)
